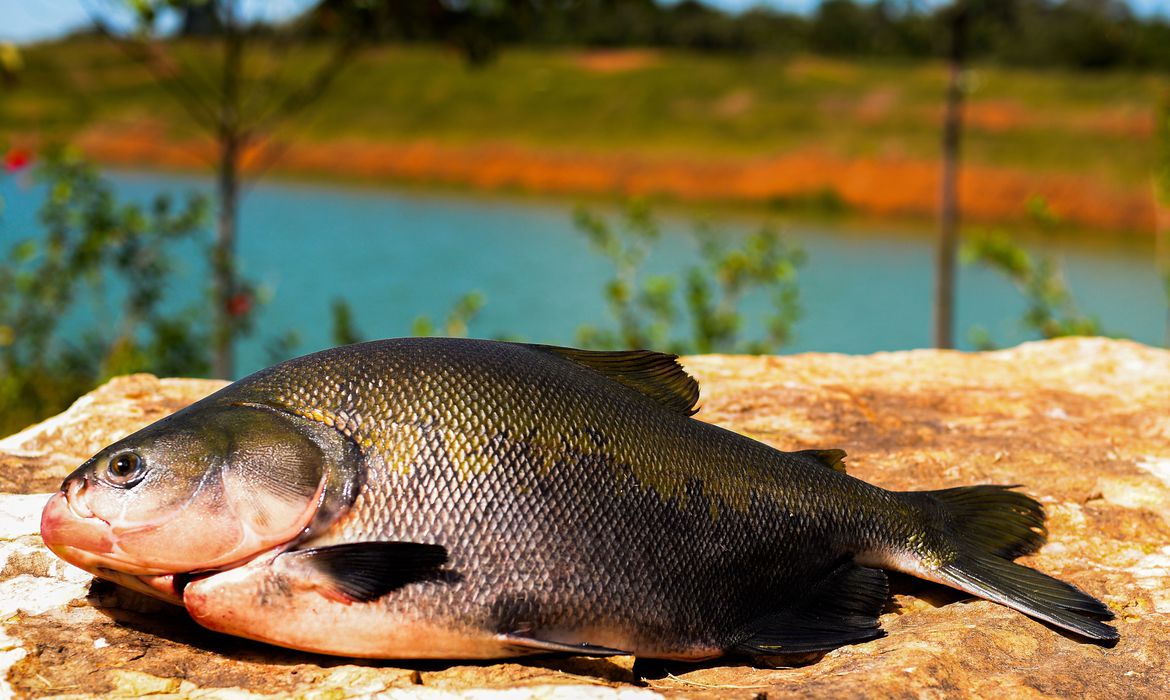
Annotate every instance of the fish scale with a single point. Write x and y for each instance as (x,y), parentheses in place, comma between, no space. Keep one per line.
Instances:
(486,499)
(525,510)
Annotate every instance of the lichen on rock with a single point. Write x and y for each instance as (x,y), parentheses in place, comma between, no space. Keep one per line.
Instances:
(1083,424)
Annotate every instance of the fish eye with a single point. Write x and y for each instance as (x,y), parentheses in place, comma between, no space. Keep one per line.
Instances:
(124,469)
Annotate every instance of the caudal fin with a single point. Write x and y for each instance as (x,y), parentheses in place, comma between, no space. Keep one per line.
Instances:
(985,527)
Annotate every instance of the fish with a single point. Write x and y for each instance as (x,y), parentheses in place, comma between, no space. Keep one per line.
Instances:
(474,499)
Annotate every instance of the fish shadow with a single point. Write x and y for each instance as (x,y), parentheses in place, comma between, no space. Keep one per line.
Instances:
(935,594)
(162,621)
(164,625)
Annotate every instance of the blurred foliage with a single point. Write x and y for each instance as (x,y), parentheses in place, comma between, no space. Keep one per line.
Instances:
(1162,155)
(699,314)
(344,330)
(1051,310)
(1073,33)
(282,347)
(459,318)
(94,249)
(646,308)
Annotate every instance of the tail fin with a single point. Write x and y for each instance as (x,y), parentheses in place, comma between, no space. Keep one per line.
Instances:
(985,528)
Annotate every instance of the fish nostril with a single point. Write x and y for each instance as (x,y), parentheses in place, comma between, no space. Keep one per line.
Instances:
(74,489)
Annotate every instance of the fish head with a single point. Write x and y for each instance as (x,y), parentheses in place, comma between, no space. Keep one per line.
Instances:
(201,490)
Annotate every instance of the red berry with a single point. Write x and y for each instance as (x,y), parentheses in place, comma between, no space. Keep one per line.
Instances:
(16,159)
(239,304)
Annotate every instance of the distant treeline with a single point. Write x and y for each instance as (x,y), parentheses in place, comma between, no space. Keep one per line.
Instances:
(1096,34)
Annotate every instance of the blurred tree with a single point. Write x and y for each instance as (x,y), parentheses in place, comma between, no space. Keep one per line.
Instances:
(11,64)
(1162,202)
(475,28)
(1074,33)
(948,230)
(239,109)
(958,17)
(95,249)
(646,310)
(841,27)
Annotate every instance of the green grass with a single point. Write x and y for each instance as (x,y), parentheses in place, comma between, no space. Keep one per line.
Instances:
(687,104)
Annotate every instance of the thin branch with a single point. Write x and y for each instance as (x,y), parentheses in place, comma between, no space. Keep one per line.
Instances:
(308,92)
(271,72)
(202,112)
(270,151)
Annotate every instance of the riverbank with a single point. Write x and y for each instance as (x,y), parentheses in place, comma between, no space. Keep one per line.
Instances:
(786,132)
(809,179)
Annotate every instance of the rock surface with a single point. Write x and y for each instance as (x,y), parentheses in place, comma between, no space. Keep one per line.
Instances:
(1084,424)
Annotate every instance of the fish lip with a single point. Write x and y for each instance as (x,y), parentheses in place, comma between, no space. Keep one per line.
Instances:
(63,530)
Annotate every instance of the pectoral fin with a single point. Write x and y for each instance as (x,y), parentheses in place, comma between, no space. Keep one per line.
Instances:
(366,571)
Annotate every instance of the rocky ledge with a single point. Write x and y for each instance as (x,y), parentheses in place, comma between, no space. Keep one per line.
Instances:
(1083,424)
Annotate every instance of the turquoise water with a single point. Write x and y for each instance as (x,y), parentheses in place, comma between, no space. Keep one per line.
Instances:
(396,254)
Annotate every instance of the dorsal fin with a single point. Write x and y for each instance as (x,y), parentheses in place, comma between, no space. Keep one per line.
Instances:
(833,459)
(655,374)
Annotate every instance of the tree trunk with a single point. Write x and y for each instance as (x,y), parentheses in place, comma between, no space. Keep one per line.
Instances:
(1162,208)
(228,192)
(948,240)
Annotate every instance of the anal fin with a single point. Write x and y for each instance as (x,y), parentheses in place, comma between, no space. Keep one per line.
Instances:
(525,643)
(841,608)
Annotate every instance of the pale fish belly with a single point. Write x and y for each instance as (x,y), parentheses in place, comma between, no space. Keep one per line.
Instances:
(277,601)
(270,601)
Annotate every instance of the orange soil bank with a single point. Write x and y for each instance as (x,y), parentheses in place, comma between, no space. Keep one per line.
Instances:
(888,186)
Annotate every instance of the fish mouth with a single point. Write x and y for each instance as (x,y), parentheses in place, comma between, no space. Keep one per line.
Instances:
(84,539)
(87,542)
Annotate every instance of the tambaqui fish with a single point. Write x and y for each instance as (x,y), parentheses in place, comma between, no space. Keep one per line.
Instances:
(474,499)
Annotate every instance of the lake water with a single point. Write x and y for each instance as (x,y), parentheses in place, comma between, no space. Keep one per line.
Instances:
(397,254)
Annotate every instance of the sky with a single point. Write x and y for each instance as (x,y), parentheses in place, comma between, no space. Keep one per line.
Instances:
(23,21)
